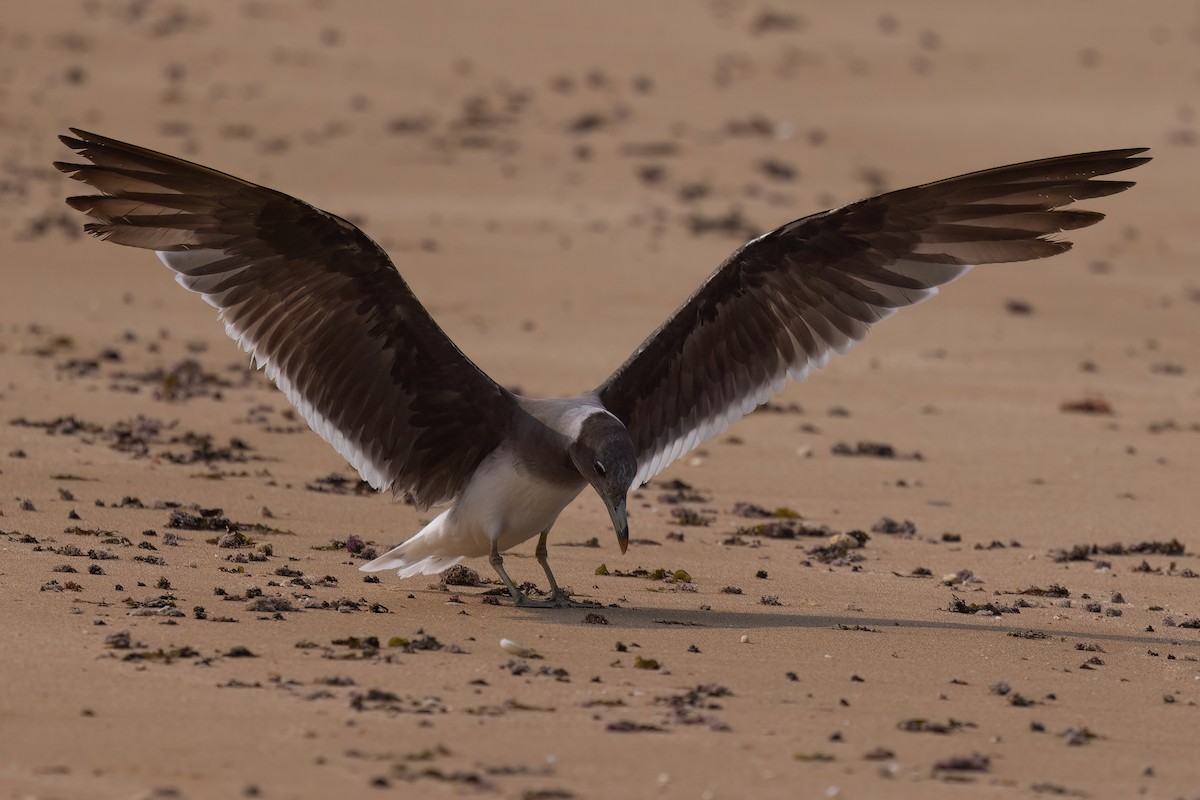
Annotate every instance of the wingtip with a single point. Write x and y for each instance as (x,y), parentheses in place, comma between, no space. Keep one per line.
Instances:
(1129,158)
(1121,152)
(81,140)
(77,140)
(1134,158)
(85,136)
(1108,162)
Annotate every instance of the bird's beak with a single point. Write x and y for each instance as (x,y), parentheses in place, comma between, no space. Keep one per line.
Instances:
(620,521)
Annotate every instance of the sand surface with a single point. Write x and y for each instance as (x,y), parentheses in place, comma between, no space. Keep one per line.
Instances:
(539,172)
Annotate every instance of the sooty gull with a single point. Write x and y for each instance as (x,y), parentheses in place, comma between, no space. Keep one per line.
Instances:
(322,309)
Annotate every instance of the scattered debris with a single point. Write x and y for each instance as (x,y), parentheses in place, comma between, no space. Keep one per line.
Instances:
(921,725)
(890,527)
(976,762)
(874,450)
(334,483)
(459,575)
(1088,405)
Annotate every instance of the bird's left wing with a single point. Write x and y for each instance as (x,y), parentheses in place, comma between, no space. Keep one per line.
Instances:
(783,303)
(317,304)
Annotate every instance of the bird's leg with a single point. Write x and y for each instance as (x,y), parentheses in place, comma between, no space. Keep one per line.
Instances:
(556,594)
(519,597)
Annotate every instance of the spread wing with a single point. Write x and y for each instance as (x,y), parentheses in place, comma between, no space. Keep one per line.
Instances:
(317,304)
(783,303)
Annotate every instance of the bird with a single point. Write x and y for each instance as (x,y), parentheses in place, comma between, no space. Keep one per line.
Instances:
(326,314)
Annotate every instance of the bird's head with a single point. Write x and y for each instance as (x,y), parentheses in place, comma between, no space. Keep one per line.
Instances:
(604,455)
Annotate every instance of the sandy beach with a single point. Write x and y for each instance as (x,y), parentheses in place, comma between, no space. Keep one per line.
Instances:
(959,561)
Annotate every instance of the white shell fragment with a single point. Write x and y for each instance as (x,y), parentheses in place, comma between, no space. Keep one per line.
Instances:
(516,648)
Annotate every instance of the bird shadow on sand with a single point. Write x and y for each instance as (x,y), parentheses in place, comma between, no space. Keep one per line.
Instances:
(649,618)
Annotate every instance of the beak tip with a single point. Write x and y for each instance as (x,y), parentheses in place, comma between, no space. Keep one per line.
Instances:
(624,545)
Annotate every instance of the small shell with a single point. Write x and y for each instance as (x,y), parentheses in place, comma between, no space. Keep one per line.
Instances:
(515,648)
(850,540)
(745,639)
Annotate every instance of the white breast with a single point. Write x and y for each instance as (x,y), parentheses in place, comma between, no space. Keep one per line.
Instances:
(505,504)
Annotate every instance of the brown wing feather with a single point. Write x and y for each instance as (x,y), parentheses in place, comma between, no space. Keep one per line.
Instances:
(318,305)
(783,303)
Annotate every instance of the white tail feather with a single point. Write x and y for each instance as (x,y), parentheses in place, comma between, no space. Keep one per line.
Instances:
(423,554)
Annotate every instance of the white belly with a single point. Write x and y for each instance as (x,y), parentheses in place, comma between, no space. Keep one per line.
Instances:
(501,504)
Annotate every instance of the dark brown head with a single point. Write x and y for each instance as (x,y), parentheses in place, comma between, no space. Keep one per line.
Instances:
(603,453)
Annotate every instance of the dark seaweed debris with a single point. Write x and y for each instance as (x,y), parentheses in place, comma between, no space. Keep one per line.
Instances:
(733,223)
(460,575)
(677,491)
(163,656)
(181,381)
(960,606)
(270,605)
(754,511)
(873,450)
(214,519)
(691,516)
(785,529)
(1088,405)
(1084,552)
(922,725)
(976,762)
(1054,590)
(688,708)
(138,435)
(383,700)
(629,726)
(334,483)
(208,519)
(906,529)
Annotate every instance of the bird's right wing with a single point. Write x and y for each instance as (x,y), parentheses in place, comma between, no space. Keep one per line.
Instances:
(782,304)
(317,304)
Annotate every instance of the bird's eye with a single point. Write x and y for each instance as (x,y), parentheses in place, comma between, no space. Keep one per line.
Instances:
(600,468)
